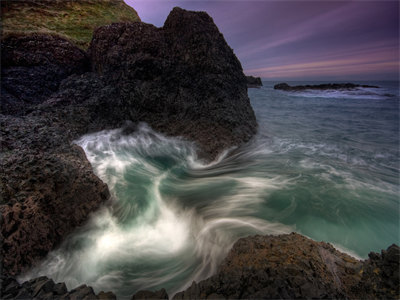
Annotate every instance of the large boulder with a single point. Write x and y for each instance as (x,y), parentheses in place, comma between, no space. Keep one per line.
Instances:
(182,79)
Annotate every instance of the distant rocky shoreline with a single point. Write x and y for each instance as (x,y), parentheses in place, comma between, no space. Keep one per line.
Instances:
(324,86)
(253,82)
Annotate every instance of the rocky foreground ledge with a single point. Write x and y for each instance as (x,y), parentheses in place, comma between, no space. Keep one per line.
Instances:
(324,86)
(288,266)
(182,79)
(294,267)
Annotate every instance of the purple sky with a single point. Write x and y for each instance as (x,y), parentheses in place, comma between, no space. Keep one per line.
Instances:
(310,40)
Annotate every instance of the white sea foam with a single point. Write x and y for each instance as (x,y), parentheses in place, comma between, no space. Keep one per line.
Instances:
(147,228)
(359,93)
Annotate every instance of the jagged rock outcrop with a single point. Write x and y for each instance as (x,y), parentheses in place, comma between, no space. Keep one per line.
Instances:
(380,275)
(253,82)
(293,267)
(324,86)
(45,288)
(183,79)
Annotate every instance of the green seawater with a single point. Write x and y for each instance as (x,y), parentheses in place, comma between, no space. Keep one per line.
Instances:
(323,163)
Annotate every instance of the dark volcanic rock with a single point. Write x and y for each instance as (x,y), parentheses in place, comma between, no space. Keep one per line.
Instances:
(253,82)
(44,288)
(47,188)
(380,275)
(182,79)
(293,266)
(148,295)
(325,86)
(32,68)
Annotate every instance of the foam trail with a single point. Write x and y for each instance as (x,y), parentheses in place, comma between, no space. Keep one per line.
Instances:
(173,219)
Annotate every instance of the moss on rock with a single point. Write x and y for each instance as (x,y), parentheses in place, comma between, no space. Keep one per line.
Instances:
(71,19)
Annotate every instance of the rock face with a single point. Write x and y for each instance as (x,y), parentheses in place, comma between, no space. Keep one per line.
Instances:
(47,188)
(45,288)
(253,82)
(293,266)
(33,68)
(147,295)
(327,86)
(380,275)
(183,79)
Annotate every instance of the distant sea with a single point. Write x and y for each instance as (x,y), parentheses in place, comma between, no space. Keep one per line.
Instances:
(324,164)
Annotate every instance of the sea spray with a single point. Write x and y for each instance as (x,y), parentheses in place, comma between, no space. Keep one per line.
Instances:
(172,219)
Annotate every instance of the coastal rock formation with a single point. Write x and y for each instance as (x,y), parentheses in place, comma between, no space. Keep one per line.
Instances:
(293,266)
(183,79)
(47,188)
(45,288)
(324,86)
(32,68)
(253,82)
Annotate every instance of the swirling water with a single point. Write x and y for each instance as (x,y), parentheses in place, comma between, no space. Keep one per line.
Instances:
(324,164)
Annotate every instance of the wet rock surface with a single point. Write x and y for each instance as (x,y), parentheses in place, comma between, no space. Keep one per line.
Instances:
(253,82)
(183,79)
(293,266)
(325,86)
(45,288)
